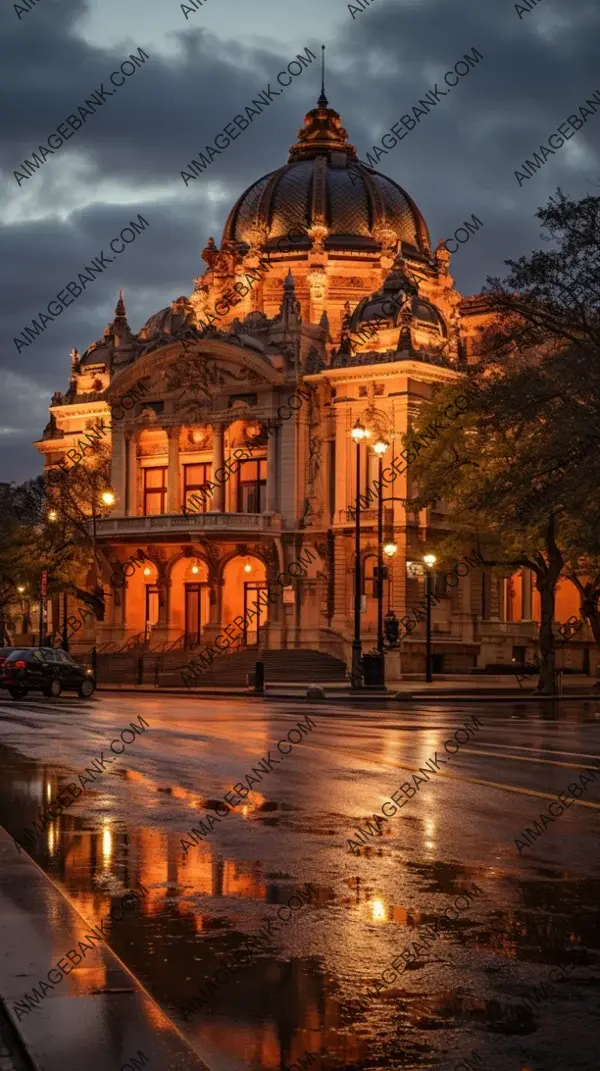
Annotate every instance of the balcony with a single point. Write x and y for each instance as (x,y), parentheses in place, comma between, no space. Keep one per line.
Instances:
(169,523)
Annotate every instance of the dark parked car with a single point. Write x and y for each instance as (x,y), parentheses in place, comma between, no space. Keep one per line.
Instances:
(48,670)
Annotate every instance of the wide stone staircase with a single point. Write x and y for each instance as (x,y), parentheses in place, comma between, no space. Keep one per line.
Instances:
(228,670)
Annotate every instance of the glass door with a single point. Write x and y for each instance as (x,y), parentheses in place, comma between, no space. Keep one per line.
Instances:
(251,595)
(193,614)
(151,610)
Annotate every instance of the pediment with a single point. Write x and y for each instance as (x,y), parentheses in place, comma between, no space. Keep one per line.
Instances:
(208,366)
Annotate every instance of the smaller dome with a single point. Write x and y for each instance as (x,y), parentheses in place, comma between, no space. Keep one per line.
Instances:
(169,321)
(388,306)
(387,303)
(98,352)
(429,314)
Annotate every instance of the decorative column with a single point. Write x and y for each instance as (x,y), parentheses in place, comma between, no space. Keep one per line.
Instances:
(526,585)
(173,499)
(217,610)
(272,473)
(218,459)
(118,475)
(161,630)
(495,599)
(162,584)
(215,597)
(131,473)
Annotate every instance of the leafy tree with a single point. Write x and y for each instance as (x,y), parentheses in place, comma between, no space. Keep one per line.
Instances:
(75,500)
(18,516)
(521,474)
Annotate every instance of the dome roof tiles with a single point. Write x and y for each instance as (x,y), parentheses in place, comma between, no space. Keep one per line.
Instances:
(326,186)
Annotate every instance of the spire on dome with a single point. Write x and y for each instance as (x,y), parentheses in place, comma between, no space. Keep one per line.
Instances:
(120,307)
(322,101)
(120,331)
(322,132)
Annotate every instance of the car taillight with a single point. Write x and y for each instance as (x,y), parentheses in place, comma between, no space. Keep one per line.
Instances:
(19,665)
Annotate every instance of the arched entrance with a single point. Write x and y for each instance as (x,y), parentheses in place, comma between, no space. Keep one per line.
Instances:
(190,599)
(142,600)
(244,577)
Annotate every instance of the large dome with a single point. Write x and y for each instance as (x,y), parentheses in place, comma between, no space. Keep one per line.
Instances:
(326,190)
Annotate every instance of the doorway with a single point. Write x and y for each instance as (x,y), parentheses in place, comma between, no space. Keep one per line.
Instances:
(193,614)
(151,609)
(251,595)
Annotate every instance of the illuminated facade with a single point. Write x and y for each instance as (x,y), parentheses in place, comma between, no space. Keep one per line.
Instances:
(312,256)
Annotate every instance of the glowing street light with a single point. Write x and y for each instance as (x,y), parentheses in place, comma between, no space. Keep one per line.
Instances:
(358,434)
(379,448)
(107,498)
(430,560)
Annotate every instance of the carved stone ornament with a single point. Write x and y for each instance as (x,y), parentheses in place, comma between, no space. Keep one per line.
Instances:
(352,281)
(442,257)
(317,281)
(148,416)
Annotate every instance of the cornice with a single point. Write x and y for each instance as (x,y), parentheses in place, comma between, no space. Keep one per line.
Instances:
(428,373)
(81,408)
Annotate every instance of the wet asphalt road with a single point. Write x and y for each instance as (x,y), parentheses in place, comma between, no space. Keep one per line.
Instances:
(473,988)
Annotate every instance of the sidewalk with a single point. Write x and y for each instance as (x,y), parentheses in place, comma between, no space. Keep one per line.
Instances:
(99,1016)
(466,688)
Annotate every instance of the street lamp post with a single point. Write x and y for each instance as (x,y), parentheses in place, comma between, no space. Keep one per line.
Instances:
(358,433)
(389,550)
(52,518)
(108,499)
(65,634)
(430,560)
(380,448)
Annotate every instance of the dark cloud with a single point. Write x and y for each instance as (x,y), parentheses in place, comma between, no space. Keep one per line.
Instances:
(126,159)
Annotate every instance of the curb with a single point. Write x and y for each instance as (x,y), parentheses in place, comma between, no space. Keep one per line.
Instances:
(494,697)
(225,693)
(360,697)
(29,924)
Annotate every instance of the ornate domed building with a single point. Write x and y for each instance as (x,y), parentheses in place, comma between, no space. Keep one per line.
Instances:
(324,304)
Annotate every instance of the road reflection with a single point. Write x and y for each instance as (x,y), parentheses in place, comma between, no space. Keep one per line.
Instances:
(201,907)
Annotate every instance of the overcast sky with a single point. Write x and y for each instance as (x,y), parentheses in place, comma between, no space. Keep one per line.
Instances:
(537,69)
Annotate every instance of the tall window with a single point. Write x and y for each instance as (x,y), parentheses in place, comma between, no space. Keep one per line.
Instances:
(195,479)
(155,491)
(252,487)
(369,566)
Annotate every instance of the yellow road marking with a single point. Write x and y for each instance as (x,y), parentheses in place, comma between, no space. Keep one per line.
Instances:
(458,777)
(551,751)
(522,758)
